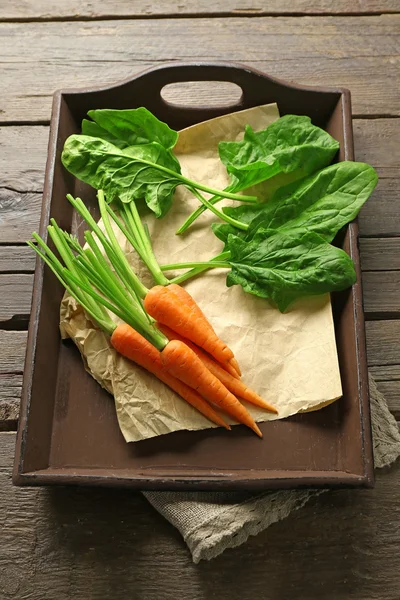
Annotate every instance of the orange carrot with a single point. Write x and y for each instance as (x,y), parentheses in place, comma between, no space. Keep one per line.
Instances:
(236,386)
(186,298)
(235,366)
(173,335)
(164,306)
(183,363)
(128,342)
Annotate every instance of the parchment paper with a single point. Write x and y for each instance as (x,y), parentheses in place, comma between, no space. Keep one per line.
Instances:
(289,359)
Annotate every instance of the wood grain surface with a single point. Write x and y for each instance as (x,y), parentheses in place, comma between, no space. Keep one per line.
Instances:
(16,259)
(380,254)
(68,543)
(12,351)
(360,53)
(15,297)
(73,9)
(19,213)
(381,293)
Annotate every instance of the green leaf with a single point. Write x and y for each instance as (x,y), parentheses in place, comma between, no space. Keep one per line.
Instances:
(130,173)
(283,267)
(93,130)
(134,126)
(290,144)
(322,203)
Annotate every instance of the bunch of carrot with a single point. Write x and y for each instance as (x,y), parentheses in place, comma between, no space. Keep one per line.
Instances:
(163,329)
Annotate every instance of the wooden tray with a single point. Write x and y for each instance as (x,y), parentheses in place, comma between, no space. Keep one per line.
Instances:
(68,431)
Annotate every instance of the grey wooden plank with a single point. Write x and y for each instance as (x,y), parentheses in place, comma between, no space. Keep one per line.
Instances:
(383,346)
(10,394)
(354,52)
(381,292)
(73,9)
(387,378)
(16,258)
(380,215)
(12,351)
(15,295)
(101,543)
(19,211)
(376,142)
(380,254)
(386,373)
(23,152)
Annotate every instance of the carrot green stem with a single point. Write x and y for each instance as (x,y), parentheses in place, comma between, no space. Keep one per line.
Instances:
(122,263)
(59,239)
(117,258)
(73,280)
(152,334)
(96,314)
(85,214)
(150,259)
(136,224)
(96,284)
(136,235)
(127,217)
(128,234)
(111,283)
(94,275)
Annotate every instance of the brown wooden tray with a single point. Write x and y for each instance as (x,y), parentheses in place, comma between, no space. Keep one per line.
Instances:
(68,431)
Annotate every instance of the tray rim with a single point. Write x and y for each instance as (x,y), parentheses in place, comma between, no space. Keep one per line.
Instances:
(59,476)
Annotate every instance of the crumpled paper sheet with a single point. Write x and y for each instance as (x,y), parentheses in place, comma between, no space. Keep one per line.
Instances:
(289,359)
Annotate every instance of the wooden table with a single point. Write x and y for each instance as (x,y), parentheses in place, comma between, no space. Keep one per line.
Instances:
(94,543)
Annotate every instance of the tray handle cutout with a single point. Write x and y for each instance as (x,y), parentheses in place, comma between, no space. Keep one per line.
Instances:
(192,94)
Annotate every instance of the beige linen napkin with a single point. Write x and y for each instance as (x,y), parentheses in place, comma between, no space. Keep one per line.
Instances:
(212,522)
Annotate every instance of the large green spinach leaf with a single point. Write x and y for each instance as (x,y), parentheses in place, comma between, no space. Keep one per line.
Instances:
(144,171)
(283,267)
(323,203)
(132,126)
(290,144)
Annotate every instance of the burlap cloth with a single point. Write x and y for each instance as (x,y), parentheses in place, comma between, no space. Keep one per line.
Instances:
(212,522)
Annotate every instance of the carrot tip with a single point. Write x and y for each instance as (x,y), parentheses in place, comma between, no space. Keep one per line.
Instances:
(257,430)
(230,369)
(235,365)
(220,421)
(269,407)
